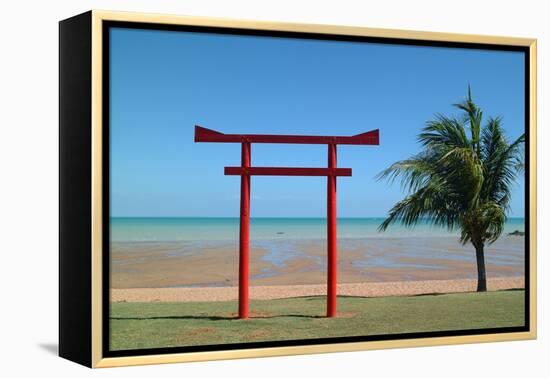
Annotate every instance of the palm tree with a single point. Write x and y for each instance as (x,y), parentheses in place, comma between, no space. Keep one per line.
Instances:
(460,180)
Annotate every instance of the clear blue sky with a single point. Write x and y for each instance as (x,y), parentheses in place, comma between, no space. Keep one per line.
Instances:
(163,83)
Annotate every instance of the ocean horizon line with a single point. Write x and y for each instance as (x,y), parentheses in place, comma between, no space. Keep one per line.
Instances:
(226,228)
(261,217)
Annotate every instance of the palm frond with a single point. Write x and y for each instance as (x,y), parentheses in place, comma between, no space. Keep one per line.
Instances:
(412,173)
(433,202)
(458,180)
(500,161)
(473,115)
(443,133)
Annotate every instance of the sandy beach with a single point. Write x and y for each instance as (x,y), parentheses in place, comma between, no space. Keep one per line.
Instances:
(364,289)
(303,262)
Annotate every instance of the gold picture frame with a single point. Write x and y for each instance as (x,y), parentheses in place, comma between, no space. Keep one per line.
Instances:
(91,329)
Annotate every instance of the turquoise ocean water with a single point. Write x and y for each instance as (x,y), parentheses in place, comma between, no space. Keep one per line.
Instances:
(226,229)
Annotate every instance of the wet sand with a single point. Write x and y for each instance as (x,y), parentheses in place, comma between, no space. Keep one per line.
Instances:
(288,263)
(365,289)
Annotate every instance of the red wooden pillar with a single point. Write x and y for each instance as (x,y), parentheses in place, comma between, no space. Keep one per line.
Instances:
(332,262)
(244,235)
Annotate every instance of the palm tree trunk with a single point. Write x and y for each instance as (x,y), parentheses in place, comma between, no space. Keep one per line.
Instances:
(481,276)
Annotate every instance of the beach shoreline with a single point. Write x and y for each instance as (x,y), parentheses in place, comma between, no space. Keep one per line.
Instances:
(359,289)
(303,262)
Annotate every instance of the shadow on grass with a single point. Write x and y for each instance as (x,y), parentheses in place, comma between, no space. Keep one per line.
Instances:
(464,292)
(206,317)
(429,294)
(324,297)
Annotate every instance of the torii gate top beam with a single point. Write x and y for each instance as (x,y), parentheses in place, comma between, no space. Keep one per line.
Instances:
(203,134)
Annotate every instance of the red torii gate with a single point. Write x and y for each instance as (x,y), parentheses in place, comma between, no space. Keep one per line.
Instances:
(246,170)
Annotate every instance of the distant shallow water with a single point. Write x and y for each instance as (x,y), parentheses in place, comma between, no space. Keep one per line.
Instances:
(227,229)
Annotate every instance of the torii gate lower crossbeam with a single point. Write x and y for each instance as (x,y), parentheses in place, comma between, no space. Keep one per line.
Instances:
(246,170)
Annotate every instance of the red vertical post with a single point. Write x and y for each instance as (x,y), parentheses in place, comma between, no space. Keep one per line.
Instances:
(332,262)
(244,233)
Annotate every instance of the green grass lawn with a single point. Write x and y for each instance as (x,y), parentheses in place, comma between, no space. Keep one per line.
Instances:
(154,325)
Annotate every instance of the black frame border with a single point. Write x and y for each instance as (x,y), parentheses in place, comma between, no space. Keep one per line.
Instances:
(106,27)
